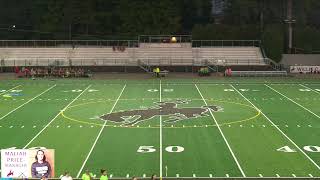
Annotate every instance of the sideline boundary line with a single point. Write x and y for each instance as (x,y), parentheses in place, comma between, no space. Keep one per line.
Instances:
(55,118)
(224,138)
(95,142)
(27,102)
(277,128)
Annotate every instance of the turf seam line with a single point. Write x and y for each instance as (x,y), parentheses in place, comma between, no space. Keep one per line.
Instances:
(27,102)
(97,138)
(278,128)
(225,140)
(55,118)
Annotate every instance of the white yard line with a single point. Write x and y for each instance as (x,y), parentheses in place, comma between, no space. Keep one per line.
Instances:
(55,118)
(277,128)
(9,89)
(293,101)
(224,138)
(95,142)
(160,135)
(26,102)
(309,88)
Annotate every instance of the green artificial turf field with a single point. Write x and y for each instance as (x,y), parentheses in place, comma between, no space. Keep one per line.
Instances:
(208,128)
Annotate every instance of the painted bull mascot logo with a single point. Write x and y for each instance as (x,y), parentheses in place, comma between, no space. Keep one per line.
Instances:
(169,109)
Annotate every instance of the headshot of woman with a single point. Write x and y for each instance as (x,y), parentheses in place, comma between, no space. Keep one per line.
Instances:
(40,168)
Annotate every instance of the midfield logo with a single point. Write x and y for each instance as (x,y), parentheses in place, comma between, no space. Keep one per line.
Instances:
(169,109)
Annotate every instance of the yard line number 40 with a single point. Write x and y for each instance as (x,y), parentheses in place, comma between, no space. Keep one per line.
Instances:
(287,149)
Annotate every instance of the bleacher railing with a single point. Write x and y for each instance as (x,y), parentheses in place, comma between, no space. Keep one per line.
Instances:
(67,43)
(226,43)
(259,73)
(126,43)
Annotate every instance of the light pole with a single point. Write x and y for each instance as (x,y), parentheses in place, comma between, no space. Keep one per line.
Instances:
(290,21)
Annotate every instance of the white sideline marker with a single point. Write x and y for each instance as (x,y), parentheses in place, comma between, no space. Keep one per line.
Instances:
(224,138)
(227,175)
(111,175)
(294,175)
(310,175)
(95,142)
(210,175)
(54,118)
(311,160)
(11,127)
(293,101)
(27,102)
(194,175)
(34,126)
(177,175)
(144,175)
(160,122)
(277,175)
(260,175)
(22,126)
(127,176)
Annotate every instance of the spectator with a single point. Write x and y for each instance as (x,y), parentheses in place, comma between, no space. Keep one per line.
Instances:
(104,175)
(87,175)
(66,176)
(153,177)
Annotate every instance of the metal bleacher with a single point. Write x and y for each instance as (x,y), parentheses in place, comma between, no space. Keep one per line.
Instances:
(132,53)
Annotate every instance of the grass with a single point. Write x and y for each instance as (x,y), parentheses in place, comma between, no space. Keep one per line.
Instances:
(259,120)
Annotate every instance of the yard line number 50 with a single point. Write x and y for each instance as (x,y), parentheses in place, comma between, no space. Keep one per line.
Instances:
(151,149)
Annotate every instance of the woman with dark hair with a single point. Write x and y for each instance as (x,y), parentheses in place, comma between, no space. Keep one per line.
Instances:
(41,167)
